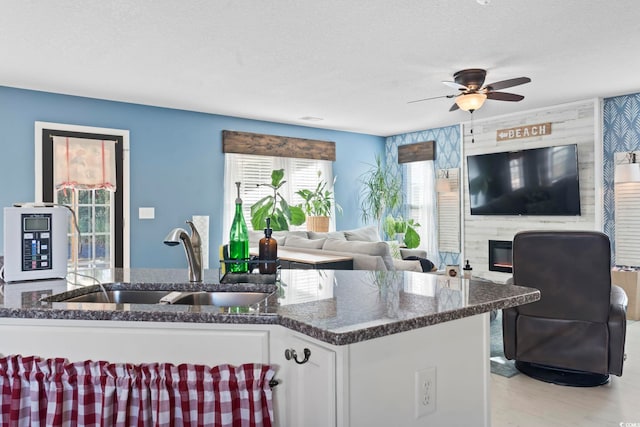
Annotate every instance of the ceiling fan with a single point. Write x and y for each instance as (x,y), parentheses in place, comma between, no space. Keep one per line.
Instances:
(472,93)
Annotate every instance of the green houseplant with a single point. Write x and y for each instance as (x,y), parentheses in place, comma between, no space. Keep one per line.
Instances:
(274,206)
(381,190)
(317,205)
(404,229)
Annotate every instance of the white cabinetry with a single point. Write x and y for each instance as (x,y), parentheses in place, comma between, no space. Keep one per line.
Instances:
(136,342)
(311,391)
(363,384)
(372,383)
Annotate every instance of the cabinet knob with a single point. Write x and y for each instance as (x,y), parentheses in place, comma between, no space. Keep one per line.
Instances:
(291,354)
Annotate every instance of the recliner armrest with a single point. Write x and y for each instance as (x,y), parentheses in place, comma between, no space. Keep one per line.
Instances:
(617,325)
(619,296)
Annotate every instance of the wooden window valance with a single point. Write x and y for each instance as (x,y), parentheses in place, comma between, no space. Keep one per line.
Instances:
(416,152)
(277,146)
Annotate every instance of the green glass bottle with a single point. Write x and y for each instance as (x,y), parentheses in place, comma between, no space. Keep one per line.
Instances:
(238,239)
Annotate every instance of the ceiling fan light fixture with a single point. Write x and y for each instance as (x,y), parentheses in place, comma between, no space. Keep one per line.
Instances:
(471,101)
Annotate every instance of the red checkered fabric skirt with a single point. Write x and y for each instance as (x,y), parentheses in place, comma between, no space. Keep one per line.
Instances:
(54,392)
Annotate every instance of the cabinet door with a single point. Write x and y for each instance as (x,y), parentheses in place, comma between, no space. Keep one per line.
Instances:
(136,342)
(311,399)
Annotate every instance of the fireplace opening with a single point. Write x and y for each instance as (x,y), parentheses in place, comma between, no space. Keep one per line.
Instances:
(501,256)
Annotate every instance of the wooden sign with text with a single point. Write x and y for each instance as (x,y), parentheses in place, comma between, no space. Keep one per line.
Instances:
(527,131)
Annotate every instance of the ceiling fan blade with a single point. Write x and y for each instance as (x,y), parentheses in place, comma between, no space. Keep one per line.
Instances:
(455,85)
(503,84)
(433,97)
(504,96)
(454,107)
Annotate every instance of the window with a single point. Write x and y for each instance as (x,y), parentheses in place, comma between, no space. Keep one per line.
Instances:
(252,170)
(94,212)
(421,203)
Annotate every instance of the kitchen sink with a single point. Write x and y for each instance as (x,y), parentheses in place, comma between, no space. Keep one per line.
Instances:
(222,299)
(120,297)
(130,296)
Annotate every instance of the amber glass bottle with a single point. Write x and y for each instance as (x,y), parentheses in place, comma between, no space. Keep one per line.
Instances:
(267,251)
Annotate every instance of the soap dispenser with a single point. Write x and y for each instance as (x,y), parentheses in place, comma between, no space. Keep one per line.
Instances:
(267,251)
(467,270)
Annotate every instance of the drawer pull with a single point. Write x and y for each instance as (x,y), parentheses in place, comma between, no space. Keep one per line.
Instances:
(291,354)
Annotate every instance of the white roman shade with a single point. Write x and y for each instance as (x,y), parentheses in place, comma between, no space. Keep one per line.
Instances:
(84,163)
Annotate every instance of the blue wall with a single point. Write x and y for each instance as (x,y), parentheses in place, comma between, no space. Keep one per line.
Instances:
(176,162)
(621,133)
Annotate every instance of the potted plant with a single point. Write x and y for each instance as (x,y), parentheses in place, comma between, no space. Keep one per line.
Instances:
(317,205)
(381,191)
(404,230)
(274,206)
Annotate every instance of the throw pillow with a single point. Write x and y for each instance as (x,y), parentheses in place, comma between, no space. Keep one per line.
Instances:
(364,234)
(380,249)
(338,235)
(294,241)
(280,236)
(254,238)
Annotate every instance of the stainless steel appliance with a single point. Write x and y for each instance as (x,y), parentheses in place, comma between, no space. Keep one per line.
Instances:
(36,244)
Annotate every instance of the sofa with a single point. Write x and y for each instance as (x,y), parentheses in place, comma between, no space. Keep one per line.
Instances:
(364,245)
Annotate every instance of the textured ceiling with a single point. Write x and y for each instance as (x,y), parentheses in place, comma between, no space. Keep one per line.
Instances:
(355,63)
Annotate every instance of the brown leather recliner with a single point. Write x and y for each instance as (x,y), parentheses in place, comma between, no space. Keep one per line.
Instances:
(575,333)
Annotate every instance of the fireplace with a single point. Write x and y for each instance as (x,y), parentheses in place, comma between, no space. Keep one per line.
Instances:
(500,256)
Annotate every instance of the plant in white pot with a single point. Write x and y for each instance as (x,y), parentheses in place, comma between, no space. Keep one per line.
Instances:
(403,230)
(317,205)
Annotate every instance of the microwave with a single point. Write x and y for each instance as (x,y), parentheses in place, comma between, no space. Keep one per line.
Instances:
(36,243)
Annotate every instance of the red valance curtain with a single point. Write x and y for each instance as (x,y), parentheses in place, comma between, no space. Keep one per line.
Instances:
(84,163)
(54,392)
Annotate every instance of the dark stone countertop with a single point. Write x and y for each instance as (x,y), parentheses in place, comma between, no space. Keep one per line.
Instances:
(335,306)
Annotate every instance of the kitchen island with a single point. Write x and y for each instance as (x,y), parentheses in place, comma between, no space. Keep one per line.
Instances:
(370,336)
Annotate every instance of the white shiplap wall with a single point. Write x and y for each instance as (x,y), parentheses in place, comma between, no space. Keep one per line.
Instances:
(570,124)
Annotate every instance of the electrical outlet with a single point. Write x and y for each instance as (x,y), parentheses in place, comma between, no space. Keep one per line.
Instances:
(425,392)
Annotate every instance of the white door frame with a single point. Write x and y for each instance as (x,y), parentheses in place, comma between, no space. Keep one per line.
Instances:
(126,229)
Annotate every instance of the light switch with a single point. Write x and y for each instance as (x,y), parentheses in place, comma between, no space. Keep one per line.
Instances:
(146,213)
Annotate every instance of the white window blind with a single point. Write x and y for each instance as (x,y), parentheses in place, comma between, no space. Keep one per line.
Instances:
(627,223)
(252,170)
(449,212)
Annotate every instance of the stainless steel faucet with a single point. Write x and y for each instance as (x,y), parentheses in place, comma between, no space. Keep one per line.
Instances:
(192,247)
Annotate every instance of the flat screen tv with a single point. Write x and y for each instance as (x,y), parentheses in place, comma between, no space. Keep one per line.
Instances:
(538,181)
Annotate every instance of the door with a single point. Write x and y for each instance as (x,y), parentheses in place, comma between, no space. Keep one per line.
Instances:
(101,214)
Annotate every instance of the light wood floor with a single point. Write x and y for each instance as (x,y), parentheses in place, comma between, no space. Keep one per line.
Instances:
(524,402)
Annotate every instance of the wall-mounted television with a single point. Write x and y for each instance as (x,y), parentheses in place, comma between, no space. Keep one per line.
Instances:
(538,181)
